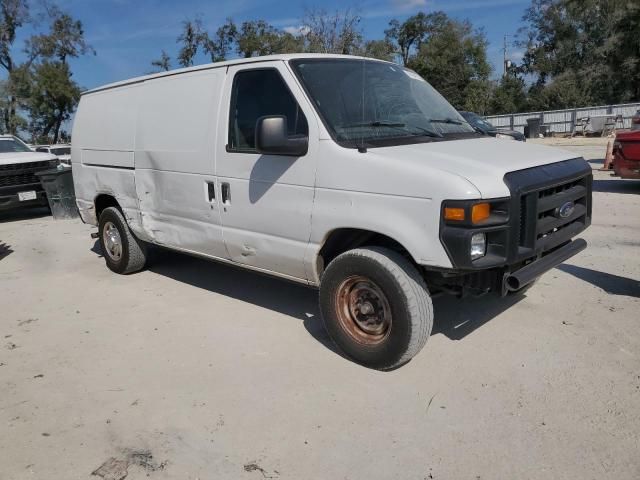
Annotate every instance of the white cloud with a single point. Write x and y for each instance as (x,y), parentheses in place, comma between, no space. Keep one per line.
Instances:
(296,30)
(409,4)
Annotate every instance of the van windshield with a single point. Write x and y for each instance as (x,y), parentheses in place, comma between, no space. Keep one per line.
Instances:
(367,103)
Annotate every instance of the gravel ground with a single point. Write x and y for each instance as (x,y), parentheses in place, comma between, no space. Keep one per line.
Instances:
(192,370)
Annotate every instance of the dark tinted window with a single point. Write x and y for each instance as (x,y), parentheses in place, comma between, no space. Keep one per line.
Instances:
(10,145)
(257,93)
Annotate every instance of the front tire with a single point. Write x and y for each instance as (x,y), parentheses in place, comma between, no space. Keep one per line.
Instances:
(376,307)
(122,251)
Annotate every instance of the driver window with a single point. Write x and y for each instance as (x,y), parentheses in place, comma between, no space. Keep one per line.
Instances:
(255,94)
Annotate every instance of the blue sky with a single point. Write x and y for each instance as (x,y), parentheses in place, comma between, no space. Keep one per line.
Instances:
(127,35)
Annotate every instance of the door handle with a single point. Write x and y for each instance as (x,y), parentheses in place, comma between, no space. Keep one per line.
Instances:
(211,191)
(226,193)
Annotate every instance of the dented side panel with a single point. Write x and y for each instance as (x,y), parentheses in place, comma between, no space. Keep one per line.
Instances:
(175,162)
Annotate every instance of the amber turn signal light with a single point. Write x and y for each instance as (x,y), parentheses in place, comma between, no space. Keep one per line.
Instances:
(480,212)
(456,214)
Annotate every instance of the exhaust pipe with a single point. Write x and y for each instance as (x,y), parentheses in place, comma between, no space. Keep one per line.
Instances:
(527,274)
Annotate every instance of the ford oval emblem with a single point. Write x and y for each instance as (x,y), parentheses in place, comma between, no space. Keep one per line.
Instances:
(566,209)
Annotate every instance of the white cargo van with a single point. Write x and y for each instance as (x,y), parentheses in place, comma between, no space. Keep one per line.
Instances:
(348,174)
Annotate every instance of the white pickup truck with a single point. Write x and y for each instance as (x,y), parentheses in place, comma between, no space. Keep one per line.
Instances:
(19,184)
(344,173)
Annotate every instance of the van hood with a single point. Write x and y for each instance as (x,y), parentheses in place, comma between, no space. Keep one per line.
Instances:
(483,161)
(24,157)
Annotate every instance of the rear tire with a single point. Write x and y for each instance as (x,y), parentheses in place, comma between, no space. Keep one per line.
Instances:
(123,252)
(376,307)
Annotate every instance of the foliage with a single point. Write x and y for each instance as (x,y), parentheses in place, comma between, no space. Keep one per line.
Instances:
(409,35)
(162,64)
(38,93)
(509,96)
(257,37)
(449,53)
(53,98)
(380,49)
(337,32)
(582,52)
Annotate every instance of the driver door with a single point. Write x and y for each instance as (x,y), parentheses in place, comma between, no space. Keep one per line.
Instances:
(266,200)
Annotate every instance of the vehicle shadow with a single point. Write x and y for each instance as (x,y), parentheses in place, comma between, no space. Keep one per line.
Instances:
(617,186)
(456,318)
(5,250)
(289,298)
(24,214)
(612,284)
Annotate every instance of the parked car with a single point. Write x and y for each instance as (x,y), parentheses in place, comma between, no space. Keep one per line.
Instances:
(635,121)
(60,150)
(626,154)
(487,128)
(19,185)
(369,186)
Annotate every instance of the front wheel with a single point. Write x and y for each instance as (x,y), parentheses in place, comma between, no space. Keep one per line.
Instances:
(122,251)
(376,307)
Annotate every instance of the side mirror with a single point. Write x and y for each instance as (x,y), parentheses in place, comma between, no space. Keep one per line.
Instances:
(272,138)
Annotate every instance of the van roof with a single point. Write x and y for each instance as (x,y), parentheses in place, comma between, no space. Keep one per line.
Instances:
(208,66)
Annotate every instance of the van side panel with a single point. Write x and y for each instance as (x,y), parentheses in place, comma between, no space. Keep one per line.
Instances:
(107,120)
(102,153)
(175,159)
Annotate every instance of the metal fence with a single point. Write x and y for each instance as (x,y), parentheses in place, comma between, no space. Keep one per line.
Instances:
(563,121)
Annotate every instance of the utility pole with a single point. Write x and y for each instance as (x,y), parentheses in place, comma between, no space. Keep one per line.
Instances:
(504,56)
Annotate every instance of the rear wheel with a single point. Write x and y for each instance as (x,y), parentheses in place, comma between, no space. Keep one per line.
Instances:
(376,307)
(123,252)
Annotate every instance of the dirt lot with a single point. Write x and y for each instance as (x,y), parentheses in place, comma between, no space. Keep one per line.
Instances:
(195,370)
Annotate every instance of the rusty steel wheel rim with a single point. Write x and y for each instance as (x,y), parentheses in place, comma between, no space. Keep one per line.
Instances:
(363,310)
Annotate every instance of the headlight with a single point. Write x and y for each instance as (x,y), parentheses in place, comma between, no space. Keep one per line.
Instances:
(504,137)
(478,246)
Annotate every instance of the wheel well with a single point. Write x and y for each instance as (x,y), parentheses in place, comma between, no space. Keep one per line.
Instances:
(343,239)
(103,201)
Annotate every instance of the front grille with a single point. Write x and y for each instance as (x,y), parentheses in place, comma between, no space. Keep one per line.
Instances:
(537,195)
(23,179)
(17,174)
(36,166)
(549,229)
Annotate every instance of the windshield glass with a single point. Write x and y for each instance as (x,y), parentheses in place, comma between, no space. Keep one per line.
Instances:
(12,145)
(368,103)
(61,151)
(478,121)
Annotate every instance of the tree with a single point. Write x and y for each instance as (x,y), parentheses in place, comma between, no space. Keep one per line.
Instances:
(453,58)
(27,72)
(257,37)
(190,38)
(53,98)
(64,39)
(380,49)
(15,14)
(509,96)
(162,64)
(591,46)
(219,46)
(337,32)
(408,35)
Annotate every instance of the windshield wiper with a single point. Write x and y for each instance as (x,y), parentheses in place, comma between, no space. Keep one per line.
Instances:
(401,126)
(445,120)
(373,124)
